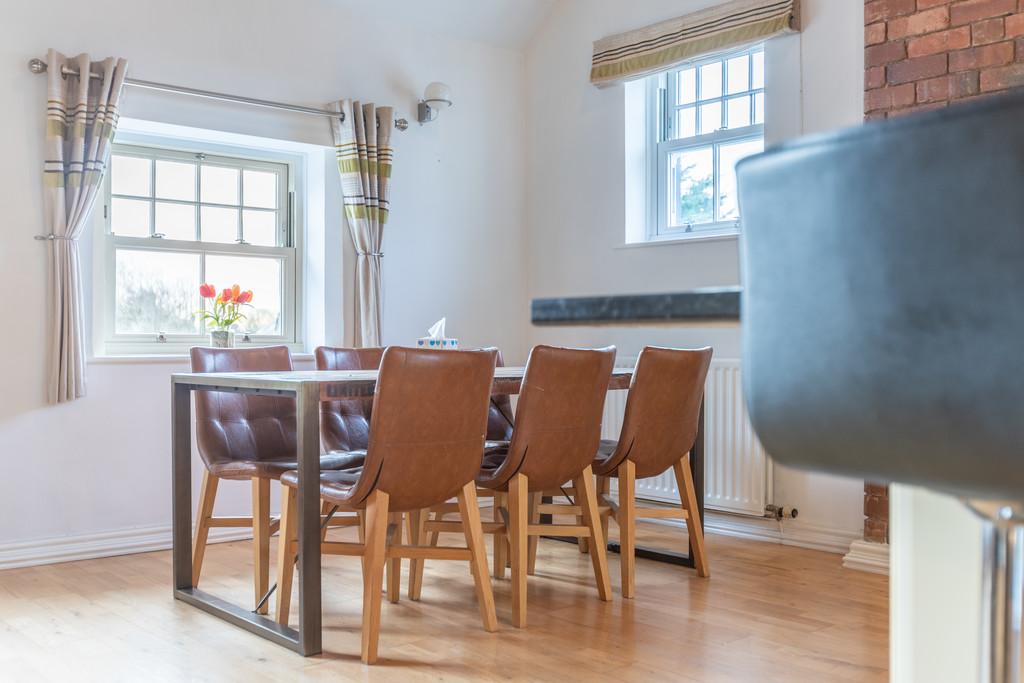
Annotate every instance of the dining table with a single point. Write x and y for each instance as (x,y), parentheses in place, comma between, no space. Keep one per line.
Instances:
(309,388)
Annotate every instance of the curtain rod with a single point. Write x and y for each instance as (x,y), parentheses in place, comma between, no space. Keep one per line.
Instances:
(38,66)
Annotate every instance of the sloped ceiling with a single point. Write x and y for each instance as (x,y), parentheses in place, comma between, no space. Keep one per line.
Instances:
(508,23)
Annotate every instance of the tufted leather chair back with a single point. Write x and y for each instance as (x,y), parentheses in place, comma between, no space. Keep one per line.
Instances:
(232,426)
(345,425)
(662,409)
(500,417)
(558,418)
(428,425)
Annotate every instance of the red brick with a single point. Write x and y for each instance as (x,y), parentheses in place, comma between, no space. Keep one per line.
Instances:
(1015,28)
(981,57)
(889,98)
(916,69)
(877,55)
(880,10)
(988,31)
(874,34)
(1002,78)
(925,4)
(943,41)
(977,10)
(928,21)
(875,115)
(951,87)
(876,531)
(874,77)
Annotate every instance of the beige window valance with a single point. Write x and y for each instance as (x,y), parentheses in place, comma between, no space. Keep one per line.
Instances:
(638,53)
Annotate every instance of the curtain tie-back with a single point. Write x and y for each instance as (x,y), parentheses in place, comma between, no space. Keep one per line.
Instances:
(370,253)
(51,237)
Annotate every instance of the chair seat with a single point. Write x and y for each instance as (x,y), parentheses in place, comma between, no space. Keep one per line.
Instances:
(336,484)
(603,464)
(273,469)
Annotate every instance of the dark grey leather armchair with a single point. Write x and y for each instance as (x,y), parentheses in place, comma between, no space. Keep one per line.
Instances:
(883,311)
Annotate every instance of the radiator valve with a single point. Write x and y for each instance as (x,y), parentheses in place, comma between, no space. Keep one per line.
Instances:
(779,512)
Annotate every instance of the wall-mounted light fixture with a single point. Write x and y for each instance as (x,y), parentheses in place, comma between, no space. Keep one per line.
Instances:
(436,96)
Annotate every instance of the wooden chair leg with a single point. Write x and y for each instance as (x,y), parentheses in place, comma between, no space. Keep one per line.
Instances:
(416,520)
(583,543)
(603,489)
(518,512)
(261,540)
(394,565)
(501,549)
(627,526)
(287,550)
(532,541)
(207,496)
(362,526)
(688,498)
(586,498)
(374,559)
(469,510)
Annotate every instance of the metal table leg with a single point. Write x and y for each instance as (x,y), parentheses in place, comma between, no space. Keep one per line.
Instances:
(307,640)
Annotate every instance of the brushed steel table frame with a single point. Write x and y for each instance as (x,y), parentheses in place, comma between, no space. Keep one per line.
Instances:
(308,388)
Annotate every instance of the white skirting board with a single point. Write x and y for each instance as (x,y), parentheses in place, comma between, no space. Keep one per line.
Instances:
(866,556)
(790,532)
(104,544)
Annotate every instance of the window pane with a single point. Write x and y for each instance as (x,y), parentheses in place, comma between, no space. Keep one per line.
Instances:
(686,122)
(219,185)
(728,156)
(156,291)
(759,108)
(263,277)
(176,221)
(711,81)
(738,74)
(710,117)
(260,227)
(686,86)
(176,180)
(739,112)
(691,187)
(757,70)
(129,175)
(129,217)
(218,224)
(260,189)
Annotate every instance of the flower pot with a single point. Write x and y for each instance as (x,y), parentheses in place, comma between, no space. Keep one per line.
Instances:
(222,339)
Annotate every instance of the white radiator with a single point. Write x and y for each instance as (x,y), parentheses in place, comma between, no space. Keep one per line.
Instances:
(737,471)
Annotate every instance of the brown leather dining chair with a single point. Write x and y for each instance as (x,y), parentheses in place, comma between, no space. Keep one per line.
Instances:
(345,424)
(556,433)
(246,437)
(427,432)
(658,431)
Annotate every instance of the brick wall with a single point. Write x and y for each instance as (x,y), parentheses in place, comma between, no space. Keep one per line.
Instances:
(923,54)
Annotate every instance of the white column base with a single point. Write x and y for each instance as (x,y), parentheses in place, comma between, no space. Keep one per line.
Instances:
(866,556)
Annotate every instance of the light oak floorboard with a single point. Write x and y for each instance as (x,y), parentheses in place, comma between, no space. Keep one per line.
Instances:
(769,613)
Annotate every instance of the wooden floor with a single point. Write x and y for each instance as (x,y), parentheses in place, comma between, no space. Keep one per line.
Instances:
(768,613)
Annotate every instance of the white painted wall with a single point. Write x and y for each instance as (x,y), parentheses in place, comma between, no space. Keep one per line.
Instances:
(454,245)
(575,191)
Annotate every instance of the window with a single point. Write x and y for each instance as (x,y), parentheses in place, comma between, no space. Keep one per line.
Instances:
(703,118)
(176,219)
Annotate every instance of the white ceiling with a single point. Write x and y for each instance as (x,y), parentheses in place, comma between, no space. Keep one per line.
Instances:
(509,23)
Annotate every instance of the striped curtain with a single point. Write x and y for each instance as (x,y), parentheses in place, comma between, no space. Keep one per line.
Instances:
(81,116)
(362,138)
(646,51)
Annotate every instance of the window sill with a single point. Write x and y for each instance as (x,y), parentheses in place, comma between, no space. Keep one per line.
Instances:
(158,359)
(661,241)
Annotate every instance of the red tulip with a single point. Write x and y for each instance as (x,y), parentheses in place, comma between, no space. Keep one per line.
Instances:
(244,297)
(225,296)
(207,291)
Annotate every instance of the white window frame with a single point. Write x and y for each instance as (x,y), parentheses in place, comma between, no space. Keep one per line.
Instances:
(660,91)
(290,238)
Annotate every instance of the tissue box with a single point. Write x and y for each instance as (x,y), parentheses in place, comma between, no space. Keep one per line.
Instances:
(443,343)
